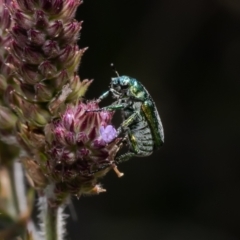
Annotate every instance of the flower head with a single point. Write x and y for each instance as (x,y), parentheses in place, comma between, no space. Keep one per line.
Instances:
(71,147)
(81,147)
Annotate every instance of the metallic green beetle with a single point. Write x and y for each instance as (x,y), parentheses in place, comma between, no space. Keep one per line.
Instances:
(141,124)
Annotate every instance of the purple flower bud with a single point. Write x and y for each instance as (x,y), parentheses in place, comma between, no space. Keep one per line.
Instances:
(70,138)
(43,92)
(30,75)
(81,139)
(67,55)
(16,50)
(51,49)
(19,34)
(108,133)
(71,31)
(68,119)
(36,37)
(5,19)
(26,5)
(41,20)
(105,116)
(77,58)
(52,7)
(69,9)
(24,20)
(32,55)
(59,133)
(60,79)
(55,28)
(9,65)
(47,69)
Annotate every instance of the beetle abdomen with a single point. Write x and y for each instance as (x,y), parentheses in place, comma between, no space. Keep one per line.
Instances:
(141,138)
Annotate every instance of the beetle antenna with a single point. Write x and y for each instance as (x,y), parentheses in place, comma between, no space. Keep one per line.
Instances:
(114,69)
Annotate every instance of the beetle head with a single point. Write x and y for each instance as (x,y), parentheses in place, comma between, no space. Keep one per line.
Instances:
(120,85)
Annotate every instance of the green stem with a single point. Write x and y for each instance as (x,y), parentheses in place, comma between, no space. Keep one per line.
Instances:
(51,223)
(53,226)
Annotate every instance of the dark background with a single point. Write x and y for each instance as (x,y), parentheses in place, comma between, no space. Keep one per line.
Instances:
(187,54)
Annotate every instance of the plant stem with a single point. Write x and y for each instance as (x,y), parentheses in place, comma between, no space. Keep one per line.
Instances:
(53,220)
(51,223)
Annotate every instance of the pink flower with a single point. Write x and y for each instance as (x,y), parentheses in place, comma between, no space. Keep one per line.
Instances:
(81,147)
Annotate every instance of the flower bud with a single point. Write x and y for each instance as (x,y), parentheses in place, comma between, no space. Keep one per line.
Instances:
(71,31)
(61,79)
(19,34)
(7,118)
(22,19)
(78,87)
(36,37)
(67,55)
(29,74)
(43,92)
(32,55)
(17,51)
(69,9)
(52,7)
(40,20)
(26,5)
(51,48)
(34,114)
(55,28)
(47,69)
(34,173)
(5,19)
(3,83)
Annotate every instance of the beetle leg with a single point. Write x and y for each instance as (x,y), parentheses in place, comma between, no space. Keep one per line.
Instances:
(104,95)
(124,157)
(113,107)
(102,167)
(134,150)
(108,108)
(124,126)
(124,141)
